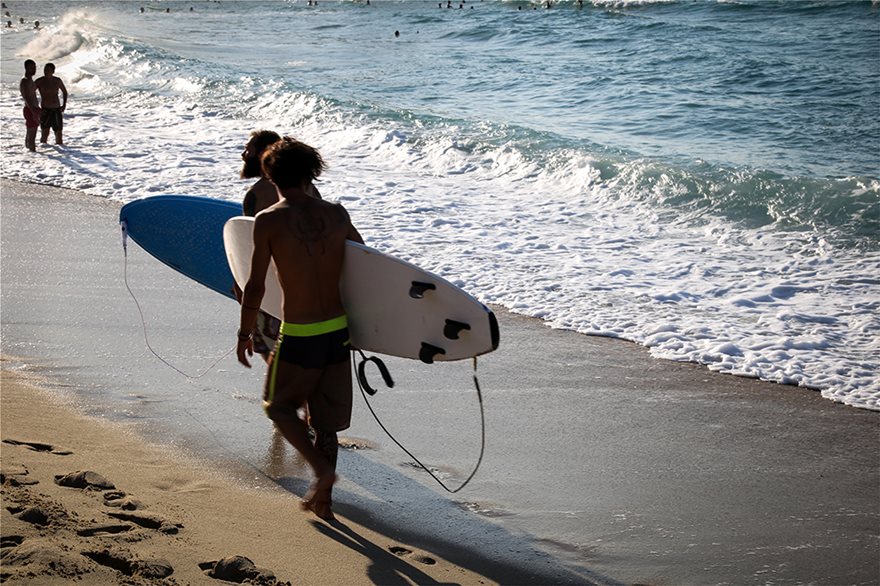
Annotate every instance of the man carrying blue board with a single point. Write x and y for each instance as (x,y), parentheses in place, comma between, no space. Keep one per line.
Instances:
(306,238)
(260,196)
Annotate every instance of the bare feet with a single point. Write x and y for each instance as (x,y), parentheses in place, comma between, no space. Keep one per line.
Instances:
(320,505)
(318,499)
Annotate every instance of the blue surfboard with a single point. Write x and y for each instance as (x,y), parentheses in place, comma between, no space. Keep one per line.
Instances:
(186,233)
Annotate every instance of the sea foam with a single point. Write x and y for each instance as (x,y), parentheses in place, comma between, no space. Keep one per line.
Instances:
(730,267)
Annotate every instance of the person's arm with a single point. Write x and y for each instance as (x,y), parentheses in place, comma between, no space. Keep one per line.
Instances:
(254,290)
(353,233)
(63,95)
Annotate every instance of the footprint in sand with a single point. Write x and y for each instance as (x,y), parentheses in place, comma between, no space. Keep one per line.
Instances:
(39,447)
(11,541)
(154,569)
(118,499)
(400,551)
(16,475)
(88,480)
(148,521)
(33,559)
(141,520)
(104,529)
(35,509)
(239,569)
(85,479)
(34,516)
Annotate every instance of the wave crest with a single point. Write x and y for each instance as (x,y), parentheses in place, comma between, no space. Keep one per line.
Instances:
(58,40)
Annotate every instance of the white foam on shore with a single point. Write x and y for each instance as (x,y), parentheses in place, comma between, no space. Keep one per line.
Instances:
(553,241)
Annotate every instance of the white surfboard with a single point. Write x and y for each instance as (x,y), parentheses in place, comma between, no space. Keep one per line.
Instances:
(393,306)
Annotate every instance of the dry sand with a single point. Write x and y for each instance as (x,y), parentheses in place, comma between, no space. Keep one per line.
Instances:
(164,520)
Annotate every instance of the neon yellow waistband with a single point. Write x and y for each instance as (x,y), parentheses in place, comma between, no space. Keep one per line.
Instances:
(316,329)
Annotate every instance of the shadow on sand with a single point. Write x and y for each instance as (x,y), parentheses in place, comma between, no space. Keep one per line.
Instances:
(404,510)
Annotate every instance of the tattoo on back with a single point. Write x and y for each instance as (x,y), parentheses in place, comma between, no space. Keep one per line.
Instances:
(311,231)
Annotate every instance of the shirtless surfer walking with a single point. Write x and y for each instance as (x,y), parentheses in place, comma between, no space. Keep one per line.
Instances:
(305,236)
(260,196)
(31,111)
(52,107)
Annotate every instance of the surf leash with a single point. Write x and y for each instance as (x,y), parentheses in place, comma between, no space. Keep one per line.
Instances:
(365,388)
(124,228)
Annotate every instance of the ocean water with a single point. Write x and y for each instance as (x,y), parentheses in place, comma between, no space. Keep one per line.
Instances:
(702,178)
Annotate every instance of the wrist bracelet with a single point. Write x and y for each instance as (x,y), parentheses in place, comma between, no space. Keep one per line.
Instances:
(244,337)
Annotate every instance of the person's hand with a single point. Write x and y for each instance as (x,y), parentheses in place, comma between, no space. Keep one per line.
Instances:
(244,349)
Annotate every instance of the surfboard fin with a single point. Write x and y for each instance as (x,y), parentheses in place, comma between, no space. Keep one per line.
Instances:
(429,351)
(418,289)
(454,328)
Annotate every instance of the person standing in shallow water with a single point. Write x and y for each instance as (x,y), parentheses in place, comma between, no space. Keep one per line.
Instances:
(31,111)
(306,237)
(52,107)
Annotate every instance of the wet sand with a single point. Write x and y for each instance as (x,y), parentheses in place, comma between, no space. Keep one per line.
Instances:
(87,501)
(615,467)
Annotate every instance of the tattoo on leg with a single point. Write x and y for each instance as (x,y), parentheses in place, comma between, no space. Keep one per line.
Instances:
(327,443)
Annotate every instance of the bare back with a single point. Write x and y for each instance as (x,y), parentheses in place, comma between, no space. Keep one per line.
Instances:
(49,86)
(306,239)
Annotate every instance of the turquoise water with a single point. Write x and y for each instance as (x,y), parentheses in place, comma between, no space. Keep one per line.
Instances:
(698,177)
(701,178)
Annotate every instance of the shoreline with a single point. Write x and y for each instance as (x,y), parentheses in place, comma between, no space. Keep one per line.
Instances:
(163,511)
(648,454)
(500,310)
(119,364)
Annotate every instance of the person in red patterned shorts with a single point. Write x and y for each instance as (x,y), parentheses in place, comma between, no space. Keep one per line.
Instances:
(31,111)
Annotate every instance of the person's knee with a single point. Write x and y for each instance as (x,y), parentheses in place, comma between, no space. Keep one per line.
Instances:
(280,413)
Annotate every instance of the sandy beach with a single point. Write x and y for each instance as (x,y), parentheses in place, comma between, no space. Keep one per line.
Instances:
(142,514)
(675,475)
